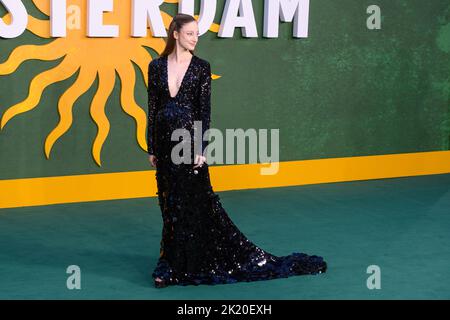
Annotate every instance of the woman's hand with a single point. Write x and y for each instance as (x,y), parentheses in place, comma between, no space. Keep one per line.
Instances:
(152,160)
(199,160)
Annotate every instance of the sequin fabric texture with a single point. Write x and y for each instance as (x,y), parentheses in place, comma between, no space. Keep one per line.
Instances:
(200,244)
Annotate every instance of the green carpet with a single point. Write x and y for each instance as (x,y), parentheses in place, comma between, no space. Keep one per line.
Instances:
(402,225)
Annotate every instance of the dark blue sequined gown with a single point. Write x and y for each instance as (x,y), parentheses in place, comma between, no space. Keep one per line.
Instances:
(200,244)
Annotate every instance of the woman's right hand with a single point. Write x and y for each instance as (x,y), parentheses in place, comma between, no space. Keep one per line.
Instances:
(152,160)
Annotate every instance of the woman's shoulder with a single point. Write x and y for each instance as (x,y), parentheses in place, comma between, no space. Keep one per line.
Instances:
(155,62)
(202,62)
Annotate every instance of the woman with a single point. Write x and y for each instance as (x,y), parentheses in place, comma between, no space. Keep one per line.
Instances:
(200,244)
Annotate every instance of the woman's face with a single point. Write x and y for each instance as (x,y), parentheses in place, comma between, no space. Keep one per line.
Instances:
(188,35)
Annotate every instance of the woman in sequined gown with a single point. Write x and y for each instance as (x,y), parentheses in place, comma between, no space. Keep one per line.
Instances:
(200,244)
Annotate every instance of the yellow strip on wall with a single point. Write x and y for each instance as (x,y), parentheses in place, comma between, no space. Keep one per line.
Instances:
(138,184)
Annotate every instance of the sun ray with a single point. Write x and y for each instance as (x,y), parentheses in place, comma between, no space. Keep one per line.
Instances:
(65,105)
(43,6)
(50,51)
(127,78)
(61,72)
(141,58)
(214,27)
(157,44)
(39,27)
(106,80)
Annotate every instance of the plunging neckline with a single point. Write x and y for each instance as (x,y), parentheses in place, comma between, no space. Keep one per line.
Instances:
(182,80)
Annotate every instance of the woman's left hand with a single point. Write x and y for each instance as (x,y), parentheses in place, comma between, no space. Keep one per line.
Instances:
(199,160)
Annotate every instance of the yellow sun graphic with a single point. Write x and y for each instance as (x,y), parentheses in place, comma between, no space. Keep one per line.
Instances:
(91,56)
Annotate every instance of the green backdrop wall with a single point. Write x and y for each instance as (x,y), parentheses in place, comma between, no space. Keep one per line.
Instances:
(343,91)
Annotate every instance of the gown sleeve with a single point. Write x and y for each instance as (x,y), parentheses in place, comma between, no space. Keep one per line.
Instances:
(153,102)
(204,101)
